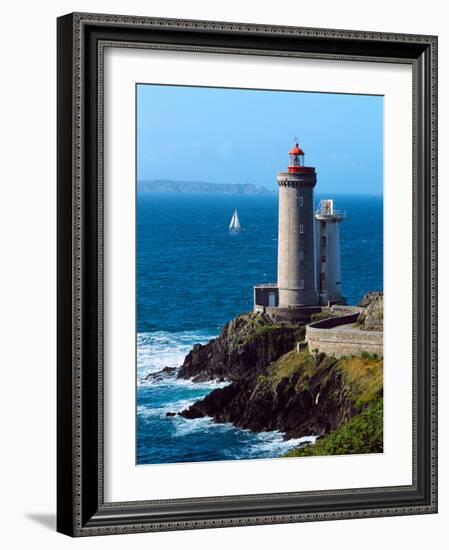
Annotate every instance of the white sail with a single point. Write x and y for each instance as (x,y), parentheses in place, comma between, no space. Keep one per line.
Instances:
(235,222)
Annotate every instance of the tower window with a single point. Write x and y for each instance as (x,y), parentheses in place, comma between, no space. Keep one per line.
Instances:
(301,283)
(301,200)
(301,228)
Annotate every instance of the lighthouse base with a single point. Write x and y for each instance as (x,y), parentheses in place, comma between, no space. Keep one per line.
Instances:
(266,300)
(292,314)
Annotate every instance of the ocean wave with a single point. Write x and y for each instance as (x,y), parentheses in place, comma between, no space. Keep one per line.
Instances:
(168,394)
(272,444)
(160,349)
(186,427)
(258,445)
(186,383)
(146,412)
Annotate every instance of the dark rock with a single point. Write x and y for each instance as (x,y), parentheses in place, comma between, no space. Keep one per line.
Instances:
(272,386)
(166,372)
(244,348)
(370,297)
(201,377)
(169,370)
(191,413)
(372,317)
(285,407)
(170,414)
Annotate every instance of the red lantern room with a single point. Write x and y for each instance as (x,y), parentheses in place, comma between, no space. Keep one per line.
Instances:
(296,159)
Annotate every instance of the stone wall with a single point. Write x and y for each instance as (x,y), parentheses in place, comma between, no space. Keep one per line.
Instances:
(342,339)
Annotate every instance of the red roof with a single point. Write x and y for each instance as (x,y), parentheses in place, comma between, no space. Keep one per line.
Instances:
(296,150)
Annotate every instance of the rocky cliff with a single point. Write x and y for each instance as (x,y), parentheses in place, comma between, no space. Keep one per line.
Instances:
(372,317)
(245,347)
(273,386)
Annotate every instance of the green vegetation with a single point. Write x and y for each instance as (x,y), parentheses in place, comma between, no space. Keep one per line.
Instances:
(357,379)
(363,377)
(258,325)
(363,433)
(293,365)
(347,390)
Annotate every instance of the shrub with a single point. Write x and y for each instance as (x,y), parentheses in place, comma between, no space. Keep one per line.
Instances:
(360,435)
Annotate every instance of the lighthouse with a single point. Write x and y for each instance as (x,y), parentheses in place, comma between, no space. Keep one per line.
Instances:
(308,264)
(296,254)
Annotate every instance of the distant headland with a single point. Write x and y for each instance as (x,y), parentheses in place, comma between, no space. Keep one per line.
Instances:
(173,186)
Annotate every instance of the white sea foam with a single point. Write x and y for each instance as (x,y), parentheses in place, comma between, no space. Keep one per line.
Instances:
(264,444)
(160,412)
(147,412)
(272,444)
(156,350)
(186,426)
(172,382)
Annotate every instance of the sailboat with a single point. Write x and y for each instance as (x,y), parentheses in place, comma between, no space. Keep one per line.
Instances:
(235,226)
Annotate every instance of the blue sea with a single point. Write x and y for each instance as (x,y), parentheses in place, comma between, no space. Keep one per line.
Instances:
(193,276)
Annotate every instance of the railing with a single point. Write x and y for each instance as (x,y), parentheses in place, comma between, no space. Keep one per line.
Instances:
(330,213)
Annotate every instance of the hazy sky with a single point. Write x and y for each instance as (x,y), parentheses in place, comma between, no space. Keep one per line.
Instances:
(239,136)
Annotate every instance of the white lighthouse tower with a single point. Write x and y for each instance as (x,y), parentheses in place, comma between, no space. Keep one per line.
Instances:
(327,253)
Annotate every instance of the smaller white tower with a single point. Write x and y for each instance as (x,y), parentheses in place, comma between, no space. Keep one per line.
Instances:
(327,253)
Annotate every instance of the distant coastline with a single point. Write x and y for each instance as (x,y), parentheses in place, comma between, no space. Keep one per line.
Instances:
(173,186)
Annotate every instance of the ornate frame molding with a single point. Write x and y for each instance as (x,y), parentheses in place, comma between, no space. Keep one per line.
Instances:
(81,41)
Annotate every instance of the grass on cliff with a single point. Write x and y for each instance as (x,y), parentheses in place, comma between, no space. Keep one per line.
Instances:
(256,325)
(361,434)
(362,376)
(303,364)
(362,381)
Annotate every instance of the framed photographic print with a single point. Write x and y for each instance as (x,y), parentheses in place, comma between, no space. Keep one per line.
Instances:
(246,274)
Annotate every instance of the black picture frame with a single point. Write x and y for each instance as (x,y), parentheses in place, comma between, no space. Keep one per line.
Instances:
(81,509)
